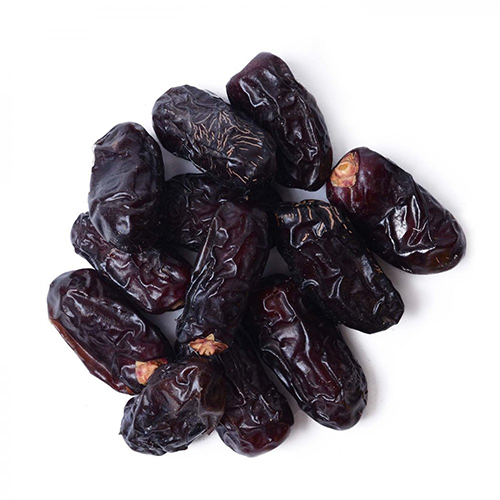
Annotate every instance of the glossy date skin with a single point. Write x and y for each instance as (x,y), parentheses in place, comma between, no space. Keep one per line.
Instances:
(191,203)
(126,188)
(399,220)
(110,338)
(155,280)
(306,351)
(257,417)
(200,127)
(330,263)
(228,267)
(182,401)
(267,91)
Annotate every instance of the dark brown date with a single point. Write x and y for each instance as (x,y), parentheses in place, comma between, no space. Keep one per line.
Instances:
(228,267)
(191,203)
(126,188)
(398,219)
(257,417)
(181,401)
(330,262)
(200,127)
(267,91)
(307,352)
(113,342)
(154,280)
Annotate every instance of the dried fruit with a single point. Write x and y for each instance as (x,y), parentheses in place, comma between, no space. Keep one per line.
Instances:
(398,219)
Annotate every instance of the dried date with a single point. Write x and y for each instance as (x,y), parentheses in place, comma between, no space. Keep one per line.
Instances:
(399,220)
(113,342)
(329,262)
(200,127)
(267,91)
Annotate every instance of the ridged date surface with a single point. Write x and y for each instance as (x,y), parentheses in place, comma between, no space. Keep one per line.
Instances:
(155,280)
(399,220)
(267,91)
(330,262)
(191,203)
(257,417)
(126,188)
(111,340)
(181,401)
(307,353)
(228,267)
(200,127)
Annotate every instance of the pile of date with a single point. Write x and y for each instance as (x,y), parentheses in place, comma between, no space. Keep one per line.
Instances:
(234,321)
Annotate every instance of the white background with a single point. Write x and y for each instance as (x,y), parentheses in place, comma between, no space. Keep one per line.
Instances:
(416,81)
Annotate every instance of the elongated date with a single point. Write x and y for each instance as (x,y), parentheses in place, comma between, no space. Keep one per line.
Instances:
(267,91)
(200,127)
(126,196)
(257,417)
(398,219)
(154,280)
(307,353)
(182,401)
(193,199)
(329,262)
(111,339)
(228,267)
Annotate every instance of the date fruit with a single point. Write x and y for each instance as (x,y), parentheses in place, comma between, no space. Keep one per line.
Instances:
(181,401)
(200,127)
(306,351)
(191,203)
(228,267)
(113,342)
(257,417)
(267,91)
(399,220)
(329,262)
(126,188)
(154,280)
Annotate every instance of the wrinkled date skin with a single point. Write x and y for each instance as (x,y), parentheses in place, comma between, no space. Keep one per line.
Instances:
(257,417)
(200,127)
(267,91)
(126,188)
(155,280)
(398,219)
(329,262)
(307,353)
(112,341)
(191,203)
(181,401)
(228,267)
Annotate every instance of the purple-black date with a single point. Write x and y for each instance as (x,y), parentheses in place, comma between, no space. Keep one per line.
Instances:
(398,219)
(126,188)
(267,91)
(154,280)
(182,401)
(199,126)
(329,262)
(113,342)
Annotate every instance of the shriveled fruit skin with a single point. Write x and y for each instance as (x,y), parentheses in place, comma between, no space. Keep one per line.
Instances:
(228,267)
(181,401)
(126,188)
(267,91)
(107,334)
(193,199)
(307,352)
(257,417)
(199,126)
(154,280)
(399,220)
(330,263)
